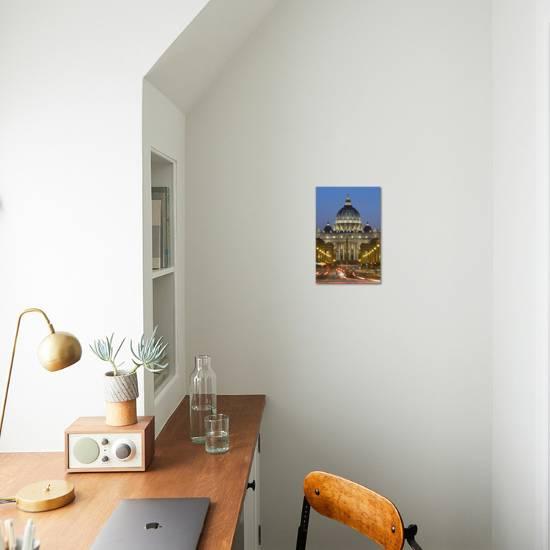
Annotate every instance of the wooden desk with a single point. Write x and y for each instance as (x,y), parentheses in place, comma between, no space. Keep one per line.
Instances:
(180,469)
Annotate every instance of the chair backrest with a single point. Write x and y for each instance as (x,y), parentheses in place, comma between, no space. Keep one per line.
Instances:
(354,505)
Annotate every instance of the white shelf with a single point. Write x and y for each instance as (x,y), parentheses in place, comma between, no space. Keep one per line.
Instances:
(161,272)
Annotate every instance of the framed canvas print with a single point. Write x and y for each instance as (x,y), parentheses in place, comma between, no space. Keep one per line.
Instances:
(348,243)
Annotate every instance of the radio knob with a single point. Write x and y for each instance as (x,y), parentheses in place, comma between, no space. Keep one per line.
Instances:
(105,458)
(105,441)
(124,450)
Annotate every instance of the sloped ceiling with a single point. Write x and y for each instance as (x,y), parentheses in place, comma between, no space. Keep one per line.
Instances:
(192,62)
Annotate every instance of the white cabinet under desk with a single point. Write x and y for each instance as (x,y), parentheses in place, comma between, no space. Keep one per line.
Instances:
(249,531)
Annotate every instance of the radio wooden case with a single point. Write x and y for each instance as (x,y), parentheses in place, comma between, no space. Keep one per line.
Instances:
(93,446)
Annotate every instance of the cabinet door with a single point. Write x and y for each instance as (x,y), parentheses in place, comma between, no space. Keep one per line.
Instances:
(251,507)
(257,518)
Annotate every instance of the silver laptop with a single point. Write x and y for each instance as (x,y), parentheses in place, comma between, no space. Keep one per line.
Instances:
(167,523)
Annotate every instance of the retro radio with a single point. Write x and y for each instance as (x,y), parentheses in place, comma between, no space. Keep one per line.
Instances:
(93,446)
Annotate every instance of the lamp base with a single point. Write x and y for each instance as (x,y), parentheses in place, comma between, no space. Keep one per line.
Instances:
(45,495)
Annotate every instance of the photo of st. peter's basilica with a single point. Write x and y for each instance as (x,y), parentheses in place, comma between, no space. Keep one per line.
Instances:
(348,238)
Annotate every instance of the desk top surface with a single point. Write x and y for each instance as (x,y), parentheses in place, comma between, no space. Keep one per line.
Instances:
(179,469)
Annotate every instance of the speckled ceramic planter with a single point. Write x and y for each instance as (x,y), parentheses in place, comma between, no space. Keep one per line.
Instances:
(121,393)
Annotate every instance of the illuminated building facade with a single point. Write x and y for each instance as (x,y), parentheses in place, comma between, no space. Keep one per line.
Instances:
(348,240)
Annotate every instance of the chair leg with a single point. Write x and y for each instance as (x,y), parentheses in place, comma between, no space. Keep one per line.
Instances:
(410,533)
(304,523)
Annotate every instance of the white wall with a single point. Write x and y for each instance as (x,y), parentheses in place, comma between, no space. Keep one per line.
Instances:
(520,192)
(70,191)
(388,385)
(164,132)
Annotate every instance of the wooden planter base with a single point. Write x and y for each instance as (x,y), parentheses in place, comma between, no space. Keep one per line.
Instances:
(120,414)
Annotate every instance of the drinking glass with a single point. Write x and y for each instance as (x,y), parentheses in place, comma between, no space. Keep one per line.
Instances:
(216,429)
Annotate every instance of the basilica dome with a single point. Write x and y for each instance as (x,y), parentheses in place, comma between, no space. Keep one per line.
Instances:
(348,219)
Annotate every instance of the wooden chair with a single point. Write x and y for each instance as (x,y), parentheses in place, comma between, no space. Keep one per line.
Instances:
(355,506)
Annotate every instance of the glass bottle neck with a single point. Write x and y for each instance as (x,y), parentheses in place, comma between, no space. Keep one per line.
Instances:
(202,362)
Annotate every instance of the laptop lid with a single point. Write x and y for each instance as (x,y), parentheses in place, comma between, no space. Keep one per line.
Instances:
(167,523)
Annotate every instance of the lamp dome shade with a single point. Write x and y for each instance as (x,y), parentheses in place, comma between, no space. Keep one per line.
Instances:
(58,351)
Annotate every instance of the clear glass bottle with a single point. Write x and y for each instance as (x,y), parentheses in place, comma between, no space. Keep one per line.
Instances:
(202,396)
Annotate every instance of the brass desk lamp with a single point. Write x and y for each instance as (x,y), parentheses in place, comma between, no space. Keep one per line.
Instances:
(57,351)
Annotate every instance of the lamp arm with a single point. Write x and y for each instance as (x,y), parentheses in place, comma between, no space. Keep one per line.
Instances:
(6,390)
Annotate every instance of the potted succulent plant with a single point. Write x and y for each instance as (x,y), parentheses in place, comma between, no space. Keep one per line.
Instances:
(121,385)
